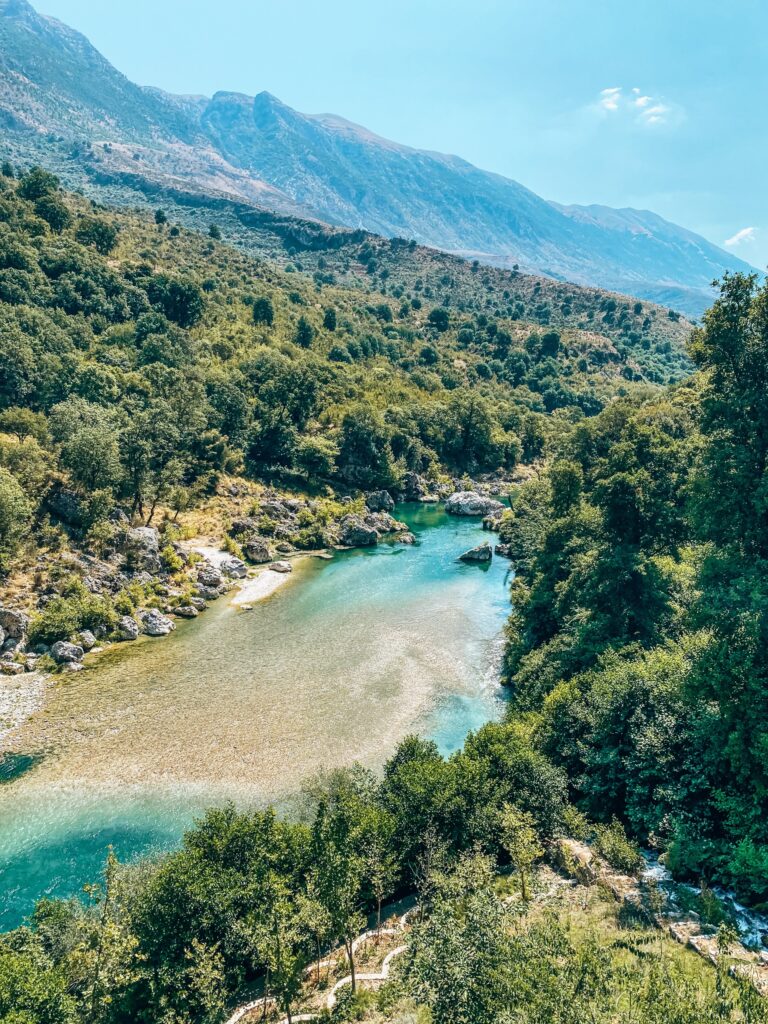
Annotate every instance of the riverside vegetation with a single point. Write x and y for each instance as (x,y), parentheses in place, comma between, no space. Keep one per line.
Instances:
(142,363)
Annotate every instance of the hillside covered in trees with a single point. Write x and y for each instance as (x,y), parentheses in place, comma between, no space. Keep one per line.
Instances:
(140,361)
(636,650)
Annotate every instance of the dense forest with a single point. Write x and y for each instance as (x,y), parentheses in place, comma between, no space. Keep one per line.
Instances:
(141,361)
(636,646)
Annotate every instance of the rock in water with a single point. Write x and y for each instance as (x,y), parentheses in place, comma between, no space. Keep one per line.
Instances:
(470,503)
(186,611)
(154,623)
(355,534)
(482,553)
(63,652)
(127,628)
(258,549)
(380,501)
(280,567)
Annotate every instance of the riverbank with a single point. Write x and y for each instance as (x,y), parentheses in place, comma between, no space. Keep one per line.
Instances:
(337,666)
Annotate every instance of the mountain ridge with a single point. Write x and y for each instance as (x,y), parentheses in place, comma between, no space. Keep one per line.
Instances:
(257,148)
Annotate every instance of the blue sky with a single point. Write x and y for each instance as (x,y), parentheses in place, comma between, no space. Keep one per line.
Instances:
(653,104)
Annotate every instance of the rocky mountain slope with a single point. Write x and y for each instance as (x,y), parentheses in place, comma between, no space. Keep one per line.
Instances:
(56,89)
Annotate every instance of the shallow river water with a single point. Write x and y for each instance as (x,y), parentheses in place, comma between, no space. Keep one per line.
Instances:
(344,660)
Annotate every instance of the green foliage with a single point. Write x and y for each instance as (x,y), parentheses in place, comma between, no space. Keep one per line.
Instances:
(15,512)
(99,233)
(74,610)
(611,842)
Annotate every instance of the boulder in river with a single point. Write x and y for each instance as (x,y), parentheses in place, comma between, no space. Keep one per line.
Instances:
(406,538)
(63,652)
(142,549)
(186,611)
(380,501)
(470,503)
(280,566)
(154,623)
(355,533)
(207,593)
(258,549)
(127,628)
(482,553)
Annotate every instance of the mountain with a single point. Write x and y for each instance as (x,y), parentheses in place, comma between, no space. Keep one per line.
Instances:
(53,82)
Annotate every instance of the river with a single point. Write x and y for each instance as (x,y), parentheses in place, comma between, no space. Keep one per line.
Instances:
(343,661)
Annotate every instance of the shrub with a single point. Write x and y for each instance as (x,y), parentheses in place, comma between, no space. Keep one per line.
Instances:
(611,842)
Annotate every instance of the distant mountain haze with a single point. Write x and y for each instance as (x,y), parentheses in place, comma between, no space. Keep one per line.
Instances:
(53,82)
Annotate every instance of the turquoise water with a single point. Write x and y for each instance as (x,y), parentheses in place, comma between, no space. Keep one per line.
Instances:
(342,662)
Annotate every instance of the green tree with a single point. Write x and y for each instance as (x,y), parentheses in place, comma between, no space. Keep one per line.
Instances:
(263,311)
(440,319)
(37,183)
(15,512)
(92,456)
(305,333)
(54,212)
(519,839)
(23,423)
(339,871)
(99,233)
(329,319)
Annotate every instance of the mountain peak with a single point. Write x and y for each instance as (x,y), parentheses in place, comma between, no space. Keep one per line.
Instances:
(17,9)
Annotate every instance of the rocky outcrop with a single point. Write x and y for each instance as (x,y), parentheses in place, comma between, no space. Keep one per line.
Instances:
(63,652)
(380,501)
(209,576)
(258,549)
(354,532)
(87,640)
(13,623)
(127,628)
(414,487)
(235,568)
(142,549)
(470,503)
(186,611)
(154,623)
(280,566)
(66,506)
(482,553)
(245,525)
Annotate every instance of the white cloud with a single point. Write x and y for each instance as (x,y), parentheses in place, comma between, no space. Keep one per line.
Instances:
(610,98)
(745,235)
(636,106)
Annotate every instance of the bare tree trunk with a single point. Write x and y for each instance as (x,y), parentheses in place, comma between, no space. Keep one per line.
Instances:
(351,958)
